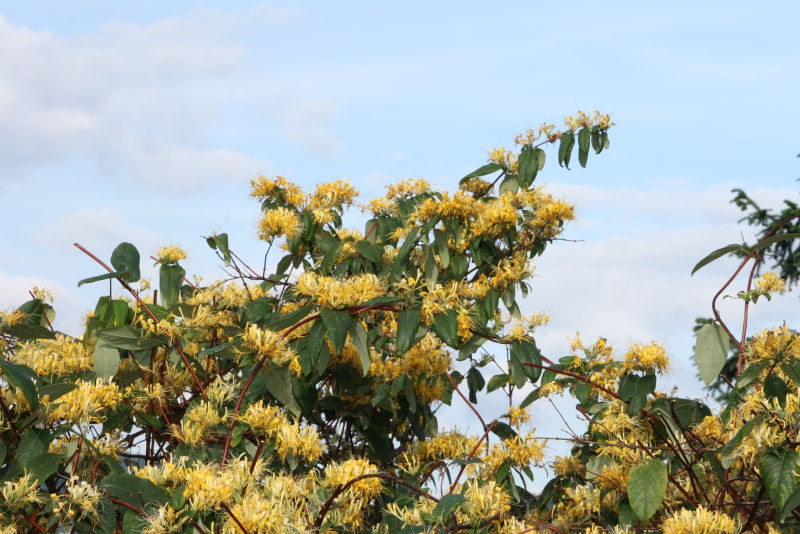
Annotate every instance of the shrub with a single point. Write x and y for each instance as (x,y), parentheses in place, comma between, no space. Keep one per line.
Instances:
(305,400)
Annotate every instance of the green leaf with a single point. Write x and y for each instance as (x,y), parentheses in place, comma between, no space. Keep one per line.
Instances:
(528,166)
(125,258)
(442,248)
(215,349)
(458,266)
(631,386)
(407,325)
(106,361)
(503,430)
(475,383)
(711,351)
(54,391)
(405,249)
(128,338)
(778,469)
(776,388)
(134,490)
(530,398)
(510,184)
(751,373)
(372,252)
(445,325)
(107,519)
(19,377)
(446,505)
(772,240)
(359,338)
(517,370)
(541,157)
(431,269)
(169,284)
(43,465)
(279,322)
(716,255)
(583,146)
(489,168)
(411,396)
(371,230)
(221,240)
(278,381)
(596,145)
(337,323)
(792,370)
(565,148)
(526,351)
(496,382)
(25,332)
(316,337)
(647,485)
(105,276)
(727,452)
(380,394)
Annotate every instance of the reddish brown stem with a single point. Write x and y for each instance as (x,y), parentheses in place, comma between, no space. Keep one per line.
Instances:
(471,455)
(235,519)
(142,303)
(471,407)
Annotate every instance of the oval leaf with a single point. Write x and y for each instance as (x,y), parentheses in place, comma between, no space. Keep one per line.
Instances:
(711,351)
(647,485)
(359,338)
(169,284)
(778,469)
(337,323)
(407,326)
(106,361)
(126,258)
(18,377)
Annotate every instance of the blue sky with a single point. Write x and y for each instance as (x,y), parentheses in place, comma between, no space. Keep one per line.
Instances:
(143,122)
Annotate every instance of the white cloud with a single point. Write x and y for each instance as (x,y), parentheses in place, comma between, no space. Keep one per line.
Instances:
(307,122)
(141,102)
(96,229)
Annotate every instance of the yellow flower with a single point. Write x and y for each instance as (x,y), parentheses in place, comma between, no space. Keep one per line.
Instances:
(278,223)
(81,500)
(408,188)
(332,195)
(278,188)
(465,324)
(13,317)
(773,343)
(699,521)
(86,403)
(338,474)
(20,492)
(518,416)
(503,157)
(168,255)
(42,293)
(650,357)
(267,344)
(770,283)
(334,293)
(59,356)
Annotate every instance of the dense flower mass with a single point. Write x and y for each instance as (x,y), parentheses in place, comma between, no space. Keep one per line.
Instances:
(304,392)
